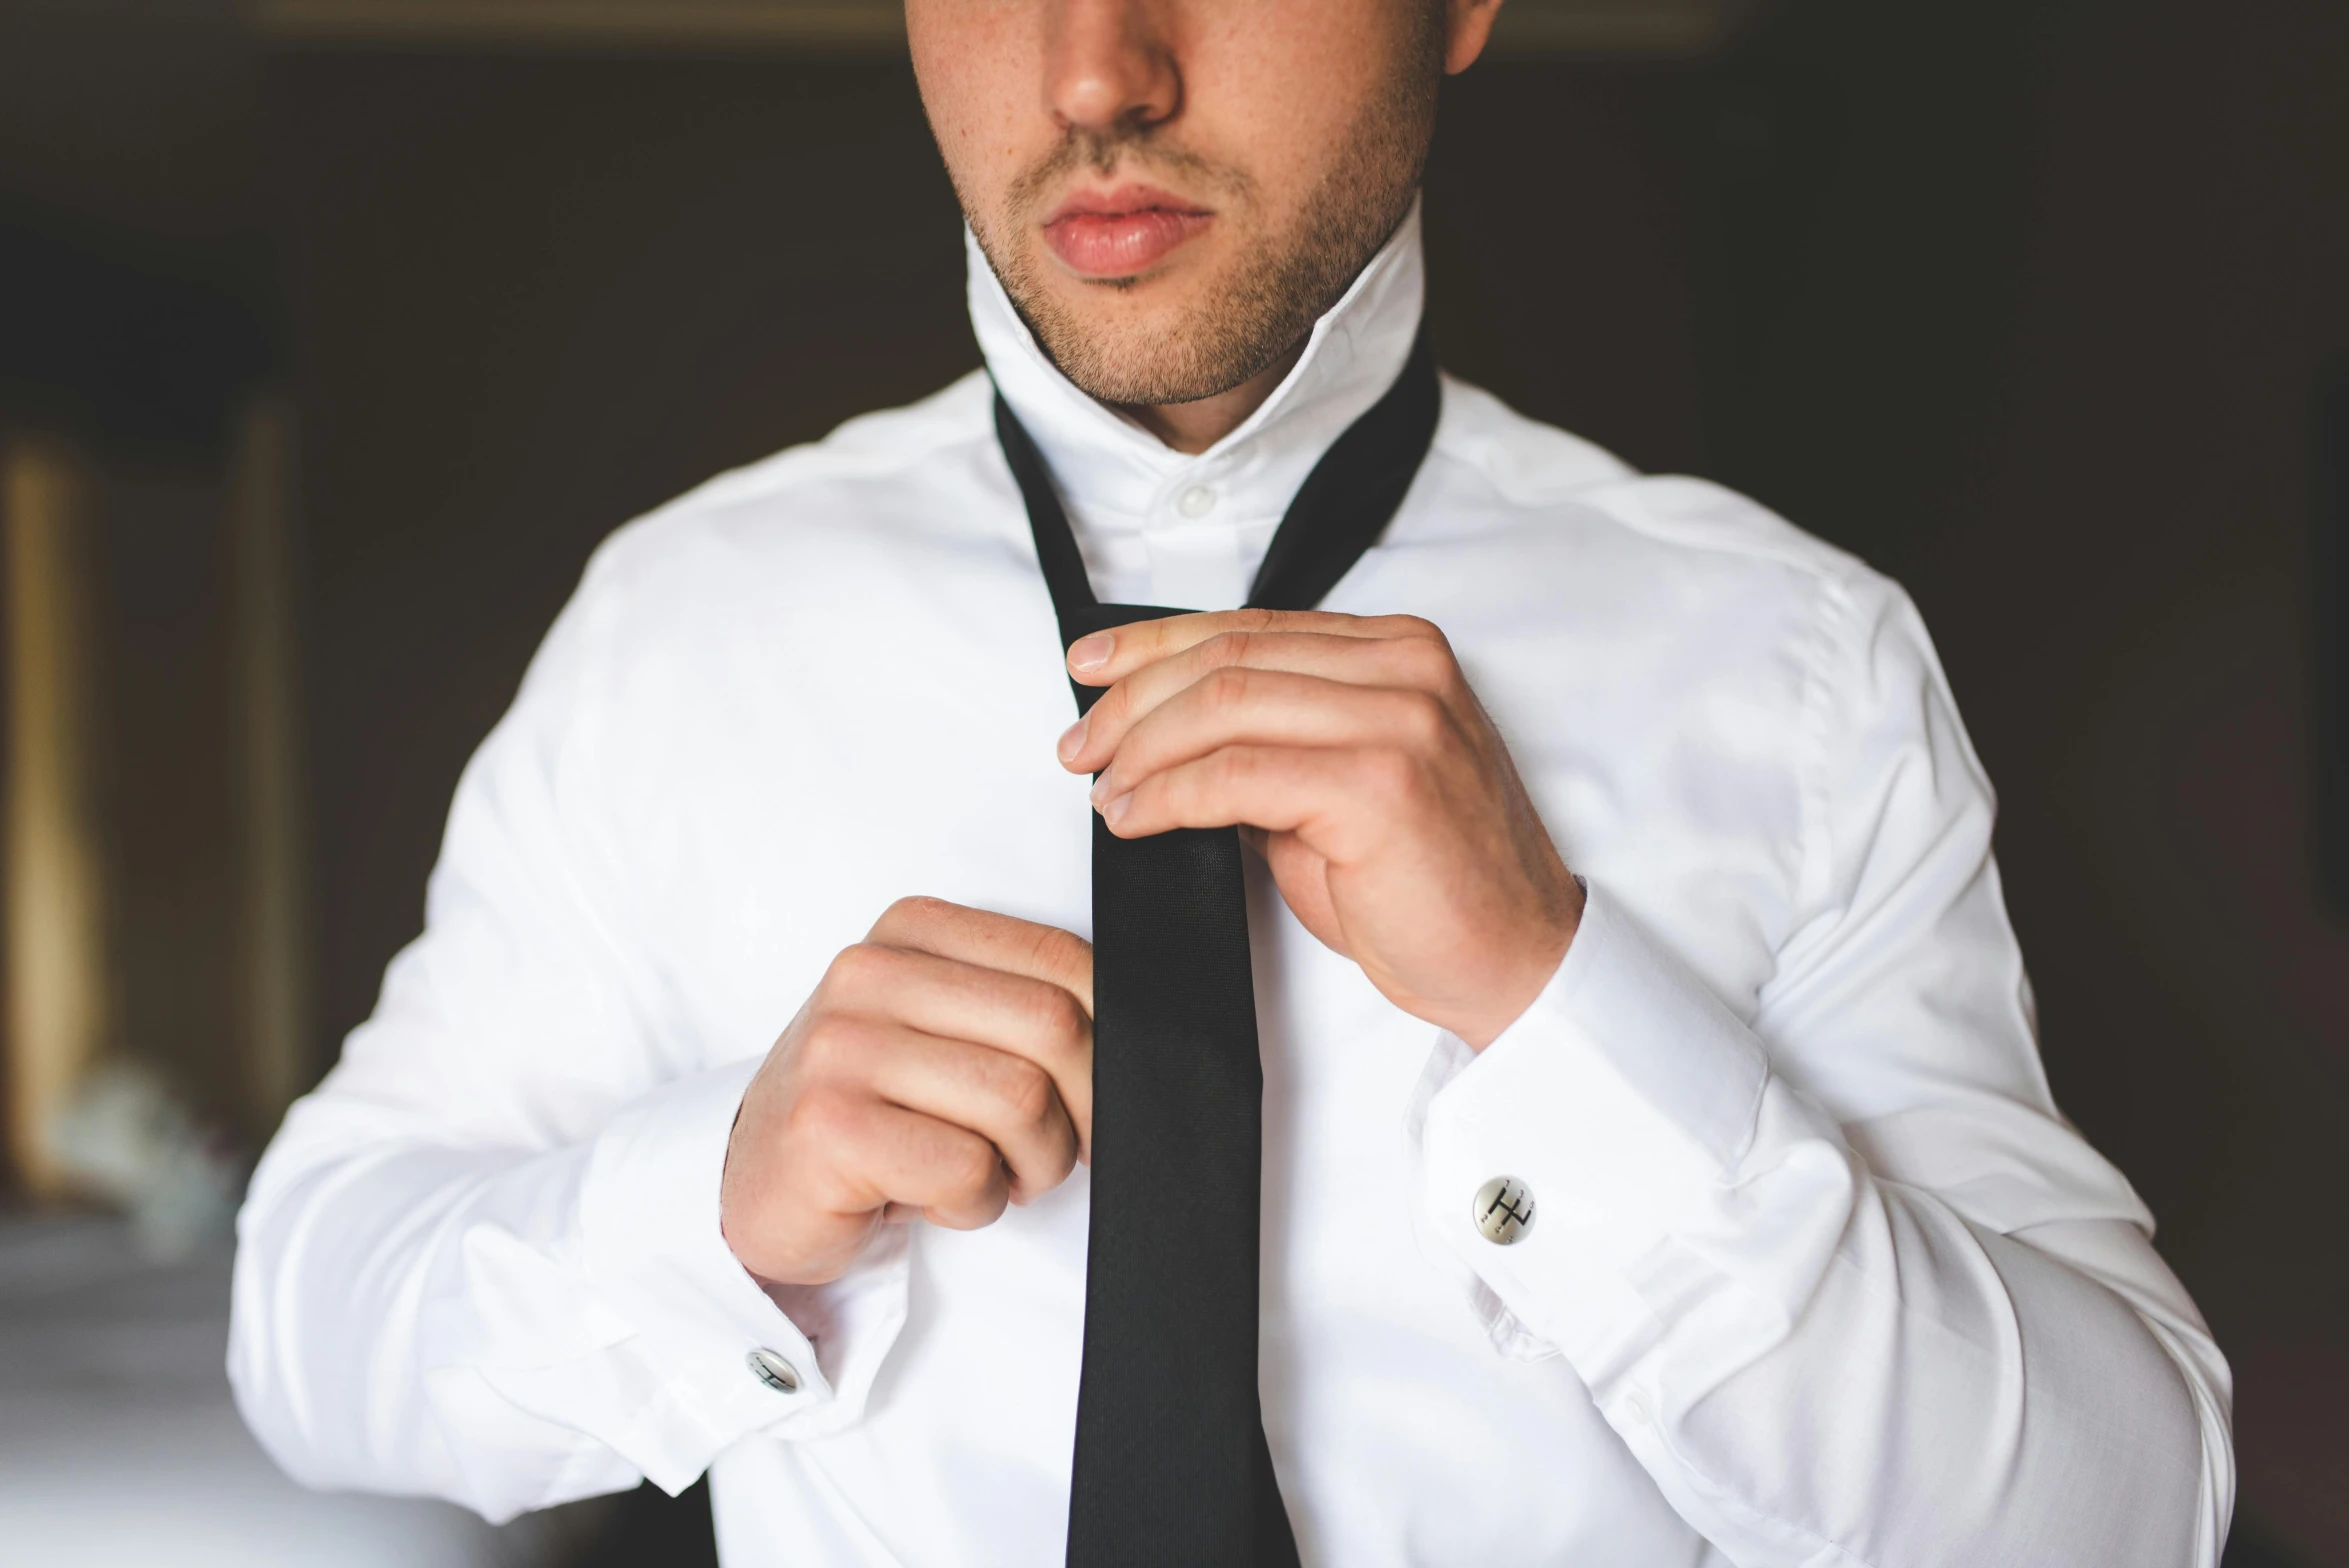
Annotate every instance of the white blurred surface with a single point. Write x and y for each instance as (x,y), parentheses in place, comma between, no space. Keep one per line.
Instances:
(119,1445)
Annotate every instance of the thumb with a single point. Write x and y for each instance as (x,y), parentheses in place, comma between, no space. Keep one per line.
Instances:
(1303,878)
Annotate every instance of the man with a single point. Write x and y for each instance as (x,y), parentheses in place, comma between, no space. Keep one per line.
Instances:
(1702,1203)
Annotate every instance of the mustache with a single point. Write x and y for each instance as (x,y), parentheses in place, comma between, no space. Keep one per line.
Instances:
(1129,144)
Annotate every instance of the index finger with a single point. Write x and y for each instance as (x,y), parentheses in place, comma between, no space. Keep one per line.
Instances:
(991,941)
(1105,657)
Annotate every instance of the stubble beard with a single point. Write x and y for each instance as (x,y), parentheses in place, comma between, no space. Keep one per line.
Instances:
(1279,286)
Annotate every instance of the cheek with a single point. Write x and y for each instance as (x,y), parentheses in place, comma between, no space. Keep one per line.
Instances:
(1285,83)
(978,66)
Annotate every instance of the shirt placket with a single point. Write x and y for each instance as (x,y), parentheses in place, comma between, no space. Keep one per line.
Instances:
(1194,549)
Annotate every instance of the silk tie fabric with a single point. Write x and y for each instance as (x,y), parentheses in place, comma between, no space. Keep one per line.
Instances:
(1171,1464)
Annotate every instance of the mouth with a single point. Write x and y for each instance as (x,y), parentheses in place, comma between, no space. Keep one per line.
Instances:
(1121,232)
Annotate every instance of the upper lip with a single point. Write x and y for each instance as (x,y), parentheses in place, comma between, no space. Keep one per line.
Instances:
(1119,200)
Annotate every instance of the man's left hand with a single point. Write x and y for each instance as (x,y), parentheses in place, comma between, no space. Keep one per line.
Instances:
(1351,753)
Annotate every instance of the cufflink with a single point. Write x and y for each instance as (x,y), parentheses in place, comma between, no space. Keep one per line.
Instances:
(772,1370)
(1504,1210)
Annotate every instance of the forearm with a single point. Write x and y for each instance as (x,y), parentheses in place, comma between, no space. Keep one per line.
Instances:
(360,1347)
(1819,1363)
(512,1328)
(1946,1395)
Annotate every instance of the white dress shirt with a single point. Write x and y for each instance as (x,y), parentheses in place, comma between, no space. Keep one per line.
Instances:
(1818,1274)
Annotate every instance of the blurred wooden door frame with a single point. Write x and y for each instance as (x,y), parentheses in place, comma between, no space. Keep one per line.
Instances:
(59,980)
(65,954)
(274,934)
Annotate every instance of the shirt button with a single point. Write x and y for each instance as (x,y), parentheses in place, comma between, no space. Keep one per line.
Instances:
(1504,1210)
(772,1370)
(1197,501)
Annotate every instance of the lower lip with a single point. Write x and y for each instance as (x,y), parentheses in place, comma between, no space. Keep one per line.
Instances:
(1119,245)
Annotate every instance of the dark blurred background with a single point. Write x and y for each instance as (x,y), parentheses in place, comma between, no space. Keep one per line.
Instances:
(335,333)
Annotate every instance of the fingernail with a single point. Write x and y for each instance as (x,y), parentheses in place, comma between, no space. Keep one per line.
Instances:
(1072,741)
(1116,809)
(1090,653)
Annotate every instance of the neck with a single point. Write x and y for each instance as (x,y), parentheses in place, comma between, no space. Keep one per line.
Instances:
(1191,428)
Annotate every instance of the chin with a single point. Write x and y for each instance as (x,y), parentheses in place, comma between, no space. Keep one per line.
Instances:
(1145,361)
(1199,324)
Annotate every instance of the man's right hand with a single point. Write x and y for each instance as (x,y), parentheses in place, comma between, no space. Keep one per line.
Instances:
(944,1067)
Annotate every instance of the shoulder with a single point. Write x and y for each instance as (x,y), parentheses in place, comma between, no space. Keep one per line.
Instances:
(1723,580)
(1655,538)
(1549,472)
(771,552)
(869,459)
(1718,592)
(882,494)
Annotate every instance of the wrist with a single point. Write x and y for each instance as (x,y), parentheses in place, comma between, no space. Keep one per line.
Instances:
(1542,954)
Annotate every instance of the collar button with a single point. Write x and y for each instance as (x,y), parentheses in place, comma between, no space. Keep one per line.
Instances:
(1195,502)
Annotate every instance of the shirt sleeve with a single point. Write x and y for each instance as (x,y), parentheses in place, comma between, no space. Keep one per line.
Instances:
(1838,1273)
(482,1260)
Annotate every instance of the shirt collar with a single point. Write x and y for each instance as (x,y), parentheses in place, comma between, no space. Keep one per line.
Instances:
(1160,526)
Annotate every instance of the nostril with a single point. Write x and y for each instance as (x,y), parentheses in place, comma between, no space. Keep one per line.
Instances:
(1102,102)
(1109,69)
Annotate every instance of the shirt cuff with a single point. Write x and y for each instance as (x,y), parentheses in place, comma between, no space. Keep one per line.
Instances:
(1624,1100)
(653,1252)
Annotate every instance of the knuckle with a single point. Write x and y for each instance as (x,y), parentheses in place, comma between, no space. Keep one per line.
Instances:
(1054,1015)
(1073,1031)
(911,915)
(824,1116)
(977,1212)
(856,966)
(820,1044)
(1060,956)
(1228,648)
(1219,775)
(1055,1170)
(1228,686)
(1427,662)
(1420,629)
(1424,719)
(837,1045)
(1028,1094)
(972,1167)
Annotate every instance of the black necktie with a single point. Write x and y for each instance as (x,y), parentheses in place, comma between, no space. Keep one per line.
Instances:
(1171,1463)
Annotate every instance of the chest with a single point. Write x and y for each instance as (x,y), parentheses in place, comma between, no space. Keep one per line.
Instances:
(784,779)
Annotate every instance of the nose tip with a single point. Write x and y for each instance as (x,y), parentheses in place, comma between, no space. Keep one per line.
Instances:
(1111,65)
(1093,101)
